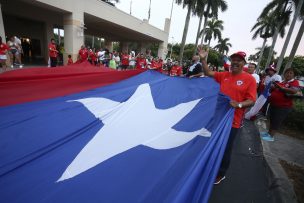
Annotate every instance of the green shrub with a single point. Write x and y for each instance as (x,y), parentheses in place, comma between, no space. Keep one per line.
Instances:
(295,119)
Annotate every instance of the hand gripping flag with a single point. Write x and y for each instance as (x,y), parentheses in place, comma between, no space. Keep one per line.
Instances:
(148,138)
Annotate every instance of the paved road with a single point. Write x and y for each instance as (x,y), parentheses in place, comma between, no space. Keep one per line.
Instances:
(248,178)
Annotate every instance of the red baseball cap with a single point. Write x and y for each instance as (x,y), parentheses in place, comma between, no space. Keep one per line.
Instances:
(239,54)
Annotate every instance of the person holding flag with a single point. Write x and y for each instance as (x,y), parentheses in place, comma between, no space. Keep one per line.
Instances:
(241,88)
(281,102)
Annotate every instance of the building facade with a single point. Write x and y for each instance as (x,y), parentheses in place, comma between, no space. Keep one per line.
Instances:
(34,21)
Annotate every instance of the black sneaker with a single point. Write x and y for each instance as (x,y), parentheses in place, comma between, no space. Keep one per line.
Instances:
(219,179)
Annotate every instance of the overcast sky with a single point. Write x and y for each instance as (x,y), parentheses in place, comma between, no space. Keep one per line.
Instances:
(238,20)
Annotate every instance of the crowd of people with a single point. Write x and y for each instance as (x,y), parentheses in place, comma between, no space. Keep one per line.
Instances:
(119,61)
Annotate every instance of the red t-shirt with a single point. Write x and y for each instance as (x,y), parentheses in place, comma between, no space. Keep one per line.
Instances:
(279,99)
(52,50)
(141,63)
(3,48)
(239,88)
(157,65)
(92,56)
(125,59)
(176,71)
(70,61)
(83,53)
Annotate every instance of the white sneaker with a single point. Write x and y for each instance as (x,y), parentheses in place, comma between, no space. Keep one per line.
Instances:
(21,66)
(12,66)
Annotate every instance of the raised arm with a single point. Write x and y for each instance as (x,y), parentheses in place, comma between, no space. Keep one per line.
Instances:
(203,54)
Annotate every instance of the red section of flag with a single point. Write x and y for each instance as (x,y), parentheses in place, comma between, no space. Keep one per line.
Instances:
(26,85)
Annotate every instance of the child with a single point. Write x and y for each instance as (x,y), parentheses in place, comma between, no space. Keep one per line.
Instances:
(70,60)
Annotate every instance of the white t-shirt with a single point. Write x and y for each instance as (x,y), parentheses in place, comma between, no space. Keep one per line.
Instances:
(117,59)
(100,55)
(256,77)
(273,78)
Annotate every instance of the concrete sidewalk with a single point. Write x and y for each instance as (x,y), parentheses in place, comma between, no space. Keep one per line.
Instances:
(285,148)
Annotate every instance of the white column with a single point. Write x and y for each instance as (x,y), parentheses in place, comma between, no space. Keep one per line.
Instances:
(2,32)
(125,46)
(109,45)
(73,34)
(143,47)
(49,34)
(162,49)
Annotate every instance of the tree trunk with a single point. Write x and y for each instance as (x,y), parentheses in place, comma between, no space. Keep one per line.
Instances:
(208,49)
(274,40)
(203,31)
(198,32)
(295,46)
(261,54)
(181,52)
(296,15)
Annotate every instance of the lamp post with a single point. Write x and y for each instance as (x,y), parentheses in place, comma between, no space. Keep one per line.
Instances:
(149,12)
(131,7)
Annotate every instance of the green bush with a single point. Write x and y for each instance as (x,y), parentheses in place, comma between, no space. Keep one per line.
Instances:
(295,119)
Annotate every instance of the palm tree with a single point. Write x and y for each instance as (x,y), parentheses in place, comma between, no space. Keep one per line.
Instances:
(213,30)
(190,4)
(212,7)
(267,50)
(199,11)
(297,41)
(223,46)
(298,7)
(281,10)
(264,28)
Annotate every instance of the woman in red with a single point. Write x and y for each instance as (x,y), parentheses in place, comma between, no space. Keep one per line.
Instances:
(124,61)
(281,102)
(3,57)
(141,62)
(176,70)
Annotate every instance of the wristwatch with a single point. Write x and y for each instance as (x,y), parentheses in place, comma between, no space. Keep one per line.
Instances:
(240,105)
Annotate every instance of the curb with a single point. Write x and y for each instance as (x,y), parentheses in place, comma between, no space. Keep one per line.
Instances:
(280,185)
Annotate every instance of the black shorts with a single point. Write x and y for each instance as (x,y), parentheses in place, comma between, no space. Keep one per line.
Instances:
(13,51)
(277,115)
(124,67)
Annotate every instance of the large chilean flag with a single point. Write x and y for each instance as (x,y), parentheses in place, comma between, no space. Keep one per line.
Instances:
(109,136)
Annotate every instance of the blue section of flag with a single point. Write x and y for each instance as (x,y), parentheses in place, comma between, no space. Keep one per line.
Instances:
(266,91)
(40,139)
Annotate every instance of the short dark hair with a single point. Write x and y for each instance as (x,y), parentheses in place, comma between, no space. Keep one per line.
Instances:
(69,56)
(253,64)
(52,39)
(290,69)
